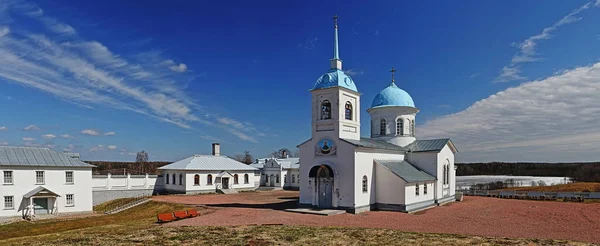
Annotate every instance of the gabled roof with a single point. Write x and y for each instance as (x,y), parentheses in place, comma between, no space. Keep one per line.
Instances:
(207,162)
(406,171)
(286,163)
(41,191)
(40,157)
(373,143)
(432,145)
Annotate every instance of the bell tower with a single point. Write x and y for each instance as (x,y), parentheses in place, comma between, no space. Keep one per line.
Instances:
(335,101)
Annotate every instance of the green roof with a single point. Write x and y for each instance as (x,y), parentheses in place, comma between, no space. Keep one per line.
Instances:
(406,171)
(431,145)
(374,144)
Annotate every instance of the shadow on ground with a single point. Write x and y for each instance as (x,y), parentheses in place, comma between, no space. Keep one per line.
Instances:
(272,206)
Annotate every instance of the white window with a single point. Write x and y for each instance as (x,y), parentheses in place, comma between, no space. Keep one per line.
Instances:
(69,177)
(399,127)
(382,127)
(293,178)
(417,190)
(70,200)
(8,177)
(412,128)
(39,177)
(425,189)
(9,202)
(365,187)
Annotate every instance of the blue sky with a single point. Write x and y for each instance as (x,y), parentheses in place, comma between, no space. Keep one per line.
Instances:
(506,80)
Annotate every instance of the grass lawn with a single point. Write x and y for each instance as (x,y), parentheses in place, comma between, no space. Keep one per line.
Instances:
(136,226)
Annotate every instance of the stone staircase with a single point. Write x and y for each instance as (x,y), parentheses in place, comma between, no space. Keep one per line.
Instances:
(227,191)
(128,206)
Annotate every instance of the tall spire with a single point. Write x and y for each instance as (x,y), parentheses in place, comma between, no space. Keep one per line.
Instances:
(336,63)
(393,71)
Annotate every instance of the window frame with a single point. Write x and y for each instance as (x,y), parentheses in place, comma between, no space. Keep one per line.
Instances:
(12,177)
(180,179)
(417,192)
(12,202)
(174,179)
(322,111)
(72,204)
(293,178)
(43,177)
(246,178)
(382,127)
(236,179)
(348,112)
(365,184)
(209,180)
(277,179)
(197,179)
(425,189)
(399,127)
(166,178)
(67,177)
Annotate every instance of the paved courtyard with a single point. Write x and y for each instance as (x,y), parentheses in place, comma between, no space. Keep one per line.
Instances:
(474,216)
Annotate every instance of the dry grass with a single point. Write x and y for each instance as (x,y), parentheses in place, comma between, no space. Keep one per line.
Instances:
(136,227)
(112,204)
(572,187)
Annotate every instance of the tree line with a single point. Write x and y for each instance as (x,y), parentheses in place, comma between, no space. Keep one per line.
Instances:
(582,172)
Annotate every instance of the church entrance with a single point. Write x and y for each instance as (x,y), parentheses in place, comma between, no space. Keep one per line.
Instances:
(324,185)
(272,180)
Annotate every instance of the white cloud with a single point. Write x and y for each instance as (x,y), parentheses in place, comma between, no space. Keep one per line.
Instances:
(70,148)
(174,67)
(31,128)
(3,128)
(97,148)
(3,143)
(552,119)
(131,153)
(527,48)
(29,139)
(112,147)
(49,136)
(66,136)
(109,134)
(90,132)
(352,72)
(4,30)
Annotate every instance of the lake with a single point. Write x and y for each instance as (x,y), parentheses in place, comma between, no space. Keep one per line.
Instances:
(465,182)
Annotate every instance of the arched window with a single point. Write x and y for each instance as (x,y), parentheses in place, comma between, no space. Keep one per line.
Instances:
(167,178)
(180,179)
(293,178)
(174,181)
(196,179)
(246,179)
(424,189)
(325,110)
(412,128)
(445,171)
(399,127)
(382,126)
(235,179)
(209,179)
(277,178)
(348,111)
(417,190)
(365,184)
(266,178)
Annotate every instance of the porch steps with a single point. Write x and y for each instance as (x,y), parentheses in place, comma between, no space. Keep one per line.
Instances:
(227,191)
(128,206)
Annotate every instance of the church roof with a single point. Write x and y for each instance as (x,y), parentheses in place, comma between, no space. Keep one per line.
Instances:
(335,77)
(39,157)
(406,171)
(393,96)
(207,162)
(431,145)
(373,143)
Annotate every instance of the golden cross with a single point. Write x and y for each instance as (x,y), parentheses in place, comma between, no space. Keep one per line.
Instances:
(335,18)
(393,71)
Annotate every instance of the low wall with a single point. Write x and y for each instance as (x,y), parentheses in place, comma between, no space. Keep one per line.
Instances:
(110,187)
(585,195)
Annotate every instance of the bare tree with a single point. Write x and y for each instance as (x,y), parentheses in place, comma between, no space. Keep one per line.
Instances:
(246,158)
(282,153)
(141,158)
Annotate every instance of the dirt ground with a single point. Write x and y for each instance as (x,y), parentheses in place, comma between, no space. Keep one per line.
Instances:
(474,216)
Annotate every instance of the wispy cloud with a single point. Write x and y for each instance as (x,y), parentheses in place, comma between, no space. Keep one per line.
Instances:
(472,76)
(112,147)
(309,43)
(29,139)
(3,143)
(109,134)
(353,72)
(31,128)
(88,74)
(49,136)
(4,30)
(3,128)
(66,136)
(90,132)
(97,148)
(527,49)
(551,119)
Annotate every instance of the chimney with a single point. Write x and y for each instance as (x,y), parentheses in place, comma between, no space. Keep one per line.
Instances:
(284,154)
(216,149)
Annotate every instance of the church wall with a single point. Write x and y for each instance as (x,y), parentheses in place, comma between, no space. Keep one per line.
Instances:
(412,197)
(446,153)
(365,165)
(428,162)
(349,129)
(388,187)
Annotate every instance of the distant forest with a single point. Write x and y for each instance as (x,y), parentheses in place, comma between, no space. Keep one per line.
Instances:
(582,172)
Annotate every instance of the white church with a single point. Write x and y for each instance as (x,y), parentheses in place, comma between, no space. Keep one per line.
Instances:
(392,170)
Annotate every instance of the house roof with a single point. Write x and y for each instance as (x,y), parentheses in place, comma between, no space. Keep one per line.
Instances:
(207,162)
(406,171)
(286,163)
(431,145)
(41,191)
(40,157)
(373,144)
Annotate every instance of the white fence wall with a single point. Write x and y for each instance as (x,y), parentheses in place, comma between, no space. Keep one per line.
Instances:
(110,187)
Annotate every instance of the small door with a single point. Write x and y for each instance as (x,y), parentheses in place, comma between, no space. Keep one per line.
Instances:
(225,183)
(272,181)
(325,194)
(40,205)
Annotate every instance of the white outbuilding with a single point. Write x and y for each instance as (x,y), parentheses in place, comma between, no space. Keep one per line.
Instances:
(279,173)
(391,170)
(37,181)
(209,173)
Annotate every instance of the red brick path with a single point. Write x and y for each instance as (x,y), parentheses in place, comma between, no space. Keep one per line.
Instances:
(474,216)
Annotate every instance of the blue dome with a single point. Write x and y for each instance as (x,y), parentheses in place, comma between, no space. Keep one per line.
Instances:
(393,96)
(335,77)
